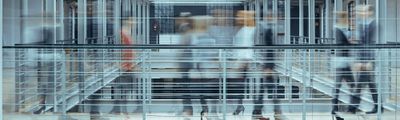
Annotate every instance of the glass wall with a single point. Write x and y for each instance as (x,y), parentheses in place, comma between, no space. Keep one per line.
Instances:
(203,59)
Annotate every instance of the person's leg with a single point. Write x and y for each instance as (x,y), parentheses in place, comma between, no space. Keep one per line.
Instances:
(187,98)
(239,86)
(122,86)
(138,101)
(342,74)
(117,94)
(126,88)
(275,100)
(204,106)
(355,99)
(335,100)
(374,93)
(259,101)
(270,83)
(349,78)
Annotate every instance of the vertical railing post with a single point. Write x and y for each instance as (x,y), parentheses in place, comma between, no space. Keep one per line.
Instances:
(143,79)
(148,22)
(82,30)
(1,59)
(18,77)
(139,21)
(54,79)
(288,52)
(148,75)
(224,71)
(304,90)
(381,55)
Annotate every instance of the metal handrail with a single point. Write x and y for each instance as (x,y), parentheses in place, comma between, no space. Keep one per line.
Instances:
(116,46)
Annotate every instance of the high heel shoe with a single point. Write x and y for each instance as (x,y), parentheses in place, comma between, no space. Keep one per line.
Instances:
(239,109)
(40,110)
(337,117)
(203,114)
(334,115)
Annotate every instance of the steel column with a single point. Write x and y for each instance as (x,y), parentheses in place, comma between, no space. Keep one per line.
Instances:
(265,7)
(82,21)
(148,22)
(224,70)
(287,21)
(117,21)
(382,54)
(101,21)
(140,23)
(1,58)
(288,53)
(134,7)
(327,20)
(276,20)
(82,29)
(61,19)
(301,18)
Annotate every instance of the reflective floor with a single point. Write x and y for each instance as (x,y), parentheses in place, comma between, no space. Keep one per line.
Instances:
(166,116)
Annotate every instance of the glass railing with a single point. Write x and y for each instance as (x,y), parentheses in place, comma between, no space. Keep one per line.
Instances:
(176,82)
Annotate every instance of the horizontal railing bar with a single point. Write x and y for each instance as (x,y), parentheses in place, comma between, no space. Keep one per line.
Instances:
(291,46)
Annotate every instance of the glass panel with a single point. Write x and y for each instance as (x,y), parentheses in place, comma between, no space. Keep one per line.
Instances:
(207,59)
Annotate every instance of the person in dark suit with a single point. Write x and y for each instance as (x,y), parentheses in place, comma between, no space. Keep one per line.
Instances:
(185,28)
(366,30)
(267,36)
(341,61)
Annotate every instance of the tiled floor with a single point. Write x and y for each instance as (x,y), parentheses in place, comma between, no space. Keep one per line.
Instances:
(164,116)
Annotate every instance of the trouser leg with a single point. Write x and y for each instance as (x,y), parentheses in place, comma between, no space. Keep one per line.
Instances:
(355,99)
(203,103)
(275,100)
(116,95)
(342,74)
(187,98)
(335,99)
(259,101)
(121,88)
(372,88)
(126,88)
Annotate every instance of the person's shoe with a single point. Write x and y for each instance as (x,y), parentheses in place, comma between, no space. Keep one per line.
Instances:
(204,115)
(239,109)
(257,115)
(334,115)
(337,118)
(40,110)
(279,116)
(352,110)
(375,110)
(334,110)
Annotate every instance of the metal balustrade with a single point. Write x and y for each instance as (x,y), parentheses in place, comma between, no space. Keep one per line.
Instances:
(87,79)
